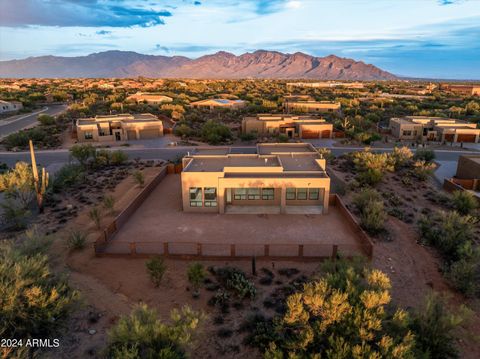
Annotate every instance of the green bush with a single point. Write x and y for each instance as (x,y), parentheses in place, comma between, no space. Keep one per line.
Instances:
(248,136)
(196,274)
(422,169)
(282,138)
(34,303)
(20,139)
(235,280)
(215,133)
(76,240)
(139,178)
(83,153)
(372,213)
(68,176)
(464,202)
(95,216)
(14,215)
(17,184)
(109,204)
(183,130)
(143,335)
(426,155)
(118,157)
(371,167)
(401,156)
(46,120)
(156,269)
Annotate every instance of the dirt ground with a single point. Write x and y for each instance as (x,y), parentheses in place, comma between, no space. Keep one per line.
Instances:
(112,286)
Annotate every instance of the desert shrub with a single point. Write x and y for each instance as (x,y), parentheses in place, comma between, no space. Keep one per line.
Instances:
(400,157)
(343,312)
(464,202)
(109,204)
(371,166)
(34,303)
(33,242)
(83,153)
(14,215)
(143,335)
(326,153)
(156,269)
(465,274)
(17,183)
(139,178)
(68,176)
(183,130)
(372,214)
(248,136)
(423,154)
(196,275)
(118,157)
(95,216)
(435,328)
(282,138)
(76,240)
(20,139)
(235,280)
(102,157)
(215,132)
(367,137)
(423,169)
(46,120)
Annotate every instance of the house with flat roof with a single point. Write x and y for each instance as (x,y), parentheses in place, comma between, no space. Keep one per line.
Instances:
(10,106)
(149,98)
(218,103)
(466,90)
(300,105)
(294,126)
(279,178)
(425,128)
(122,127)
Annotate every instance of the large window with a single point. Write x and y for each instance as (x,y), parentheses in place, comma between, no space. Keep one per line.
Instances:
(253,194)
(210,196)
(195,197)
(268,194)
(240,194)
(88,135)
(407,133)
(291,193)
(314,193)
(301,193)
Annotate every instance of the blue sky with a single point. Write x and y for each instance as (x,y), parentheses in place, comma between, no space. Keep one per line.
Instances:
(422,38)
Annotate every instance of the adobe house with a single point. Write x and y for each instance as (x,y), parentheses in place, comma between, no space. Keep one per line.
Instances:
(433,129)
(279,178)
(294,126)
(292,103)
(149,98)
(218,103)
(122,127)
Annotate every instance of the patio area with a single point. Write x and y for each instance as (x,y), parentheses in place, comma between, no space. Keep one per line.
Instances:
(160,219)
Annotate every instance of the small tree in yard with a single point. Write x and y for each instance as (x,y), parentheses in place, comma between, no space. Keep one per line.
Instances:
(372,214)
(143,335)
(156,268)
(371,166)
(464,202)
(196,274)
(214,132)
(139,178)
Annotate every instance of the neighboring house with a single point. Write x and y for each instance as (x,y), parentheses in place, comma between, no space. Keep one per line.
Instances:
(327,84)
(292,104)
(219,103)
(122,127)
(294,126)
(280,178)
(10,106)
(466,90)
(424,128)
(149,98)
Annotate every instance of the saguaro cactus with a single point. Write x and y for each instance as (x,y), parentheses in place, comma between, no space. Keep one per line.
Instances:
(40,185)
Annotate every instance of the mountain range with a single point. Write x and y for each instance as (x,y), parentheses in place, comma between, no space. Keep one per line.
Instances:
(221,65)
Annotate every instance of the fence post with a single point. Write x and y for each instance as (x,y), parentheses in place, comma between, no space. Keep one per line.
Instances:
(165,248)
(334,251)
(267,250)
(232,250)
(199,249)
(133,248)
(300,250)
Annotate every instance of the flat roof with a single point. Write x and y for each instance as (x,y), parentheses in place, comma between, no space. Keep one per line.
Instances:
(267,149)
(218,163)
(299,162)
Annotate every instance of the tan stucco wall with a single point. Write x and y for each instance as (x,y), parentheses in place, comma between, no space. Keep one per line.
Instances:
(468,167)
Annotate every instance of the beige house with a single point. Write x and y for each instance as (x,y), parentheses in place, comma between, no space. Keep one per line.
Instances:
(424,128)
(122,127)
(292,104)
(219,103)
(294,126)
(327,84)
(149,98)
(466,90)
(279,178)
(10,106)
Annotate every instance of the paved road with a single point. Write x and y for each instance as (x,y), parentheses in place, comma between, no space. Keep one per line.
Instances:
(50,157)
(19,122)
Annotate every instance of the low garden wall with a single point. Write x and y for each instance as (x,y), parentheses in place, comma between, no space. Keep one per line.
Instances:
(455,184)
